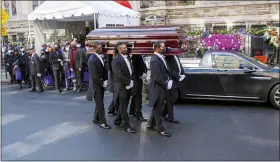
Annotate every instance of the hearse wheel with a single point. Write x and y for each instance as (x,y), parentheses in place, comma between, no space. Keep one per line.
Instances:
(275,97)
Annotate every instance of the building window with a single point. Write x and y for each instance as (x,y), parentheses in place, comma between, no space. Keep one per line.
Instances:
(110,25)
(35,4)
(14,38)
(14,8)
(7,6)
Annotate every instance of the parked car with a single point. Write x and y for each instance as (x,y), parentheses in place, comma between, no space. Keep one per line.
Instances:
(230,75)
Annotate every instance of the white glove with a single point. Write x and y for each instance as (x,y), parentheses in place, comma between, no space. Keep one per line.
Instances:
(169,84)
(59,60)
(182,77)
(105,83)
(61,63)
(71,69)
(38,74)
(144,76)
(130,85)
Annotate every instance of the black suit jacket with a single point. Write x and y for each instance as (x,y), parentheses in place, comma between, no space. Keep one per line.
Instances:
(53,58)
(121,73)
(139,65)
(160,75)
(97,75)
(174,69)
(34,65)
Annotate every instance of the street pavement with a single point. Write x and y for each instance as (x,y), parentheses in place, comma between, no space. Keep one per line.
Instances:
(51,126)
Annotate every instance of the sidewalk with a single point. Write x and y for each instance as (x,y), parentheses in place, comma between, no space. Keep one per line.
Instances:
(3,77)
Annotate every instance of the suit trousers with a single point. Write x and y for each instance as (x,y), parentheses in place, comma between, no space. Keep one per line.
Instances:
(57,77)
(136,101)
(99,113)
(79,77)
(36,80)
(156,116)
(172,96)
(122,104)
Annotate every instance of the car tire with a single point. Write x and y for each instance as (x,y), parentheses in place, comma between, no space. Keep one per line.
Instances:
(274,97)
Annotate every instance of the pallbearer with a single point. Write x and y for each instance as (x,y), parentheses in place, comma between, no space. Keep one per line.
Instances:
(98,81)
(140,72)
(177,75)
(123,75)
(159,84)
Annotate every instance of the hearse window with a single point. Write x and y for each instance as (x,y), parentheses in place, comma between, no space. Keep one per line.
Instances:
(228,62)
(119,24)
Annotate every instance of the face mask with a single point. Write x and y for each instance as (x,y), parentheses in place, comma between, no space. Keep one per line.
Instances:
(21,50)
(78,46)
(163,51)
(124,52)
(67,48)
(9,51)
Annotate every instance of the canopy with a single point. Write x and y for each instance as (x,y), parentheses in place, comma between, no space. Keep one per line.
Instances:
(79,10)
(71,16)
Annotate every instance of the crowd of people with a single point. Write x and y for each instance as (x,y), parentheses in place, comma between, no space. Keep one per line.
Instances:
(54,65)
(69,62)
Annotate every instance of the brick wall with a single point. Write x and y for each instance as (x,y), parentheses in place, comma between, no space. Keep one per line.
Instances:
(253,10)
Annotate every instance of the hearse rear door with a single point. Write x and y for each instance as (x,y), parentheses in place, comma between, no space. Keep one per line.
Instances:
(203,81)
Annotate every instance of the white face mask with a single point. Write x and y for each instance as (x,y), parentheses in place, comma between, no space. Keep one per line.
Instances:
(78,46)
(9,51)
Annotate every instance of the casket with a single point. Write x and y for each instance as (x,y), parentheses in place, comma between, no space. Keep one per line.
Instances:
(140,39)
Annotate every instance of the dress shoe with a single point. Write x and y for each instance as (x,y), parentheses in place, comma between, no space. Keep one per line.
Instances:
(105,126)
(42,90)
(130,130)
(165,133)
(118,123)
(111,112)
(32,90)
(132,114)
(141,118)
(95,121)
(79,90)
(20,86)
(151,127)
(172,121)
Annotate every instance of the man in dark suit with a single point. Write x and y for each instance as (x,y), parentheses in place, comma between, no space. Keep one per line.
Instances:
(56,61)
(123,72)
(160,82)
(26,71)
(177,75)
(98,81)
(80,64)
(35,70)
(140,72)
(112,108)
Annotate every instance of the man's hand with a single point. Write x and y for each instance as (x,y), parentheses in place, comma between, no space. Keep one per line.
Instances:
(80,69)
(169,84)
(59,60)
(182,77)
(105,83)
(144,76)
(130,85)
(38,74)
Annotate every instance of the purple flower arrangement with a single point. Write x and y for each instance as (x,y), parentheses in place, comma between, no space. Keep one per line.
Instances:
(223,42)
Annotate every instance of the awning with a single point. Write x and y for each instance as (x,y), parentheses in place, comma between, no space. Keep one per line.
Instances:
(79,10)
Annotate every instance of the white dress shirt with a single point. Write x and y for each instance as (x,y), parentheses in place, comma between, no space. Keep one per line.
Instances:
(160,56)
(178,63)
(127,63)
(100,58)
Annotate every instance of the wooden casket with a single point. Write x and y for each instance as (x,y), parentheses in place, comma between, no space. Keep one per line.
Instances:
(140,39)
